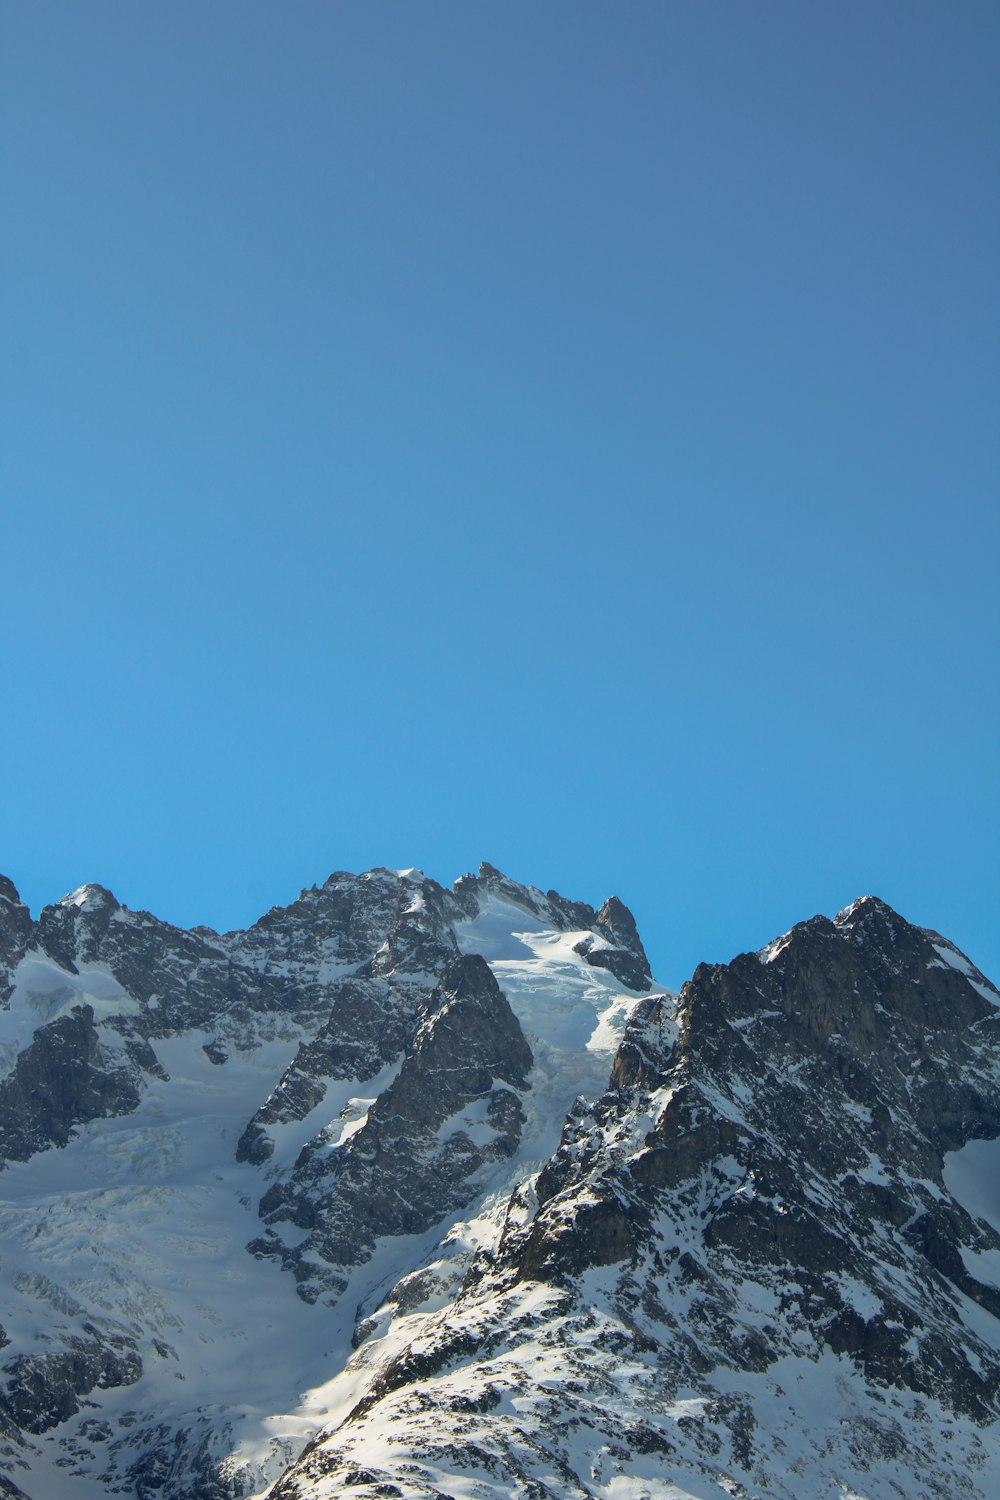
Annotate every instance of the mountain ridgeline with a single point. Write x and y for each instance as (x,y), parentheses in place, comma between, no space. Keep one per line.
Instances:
(428,1193)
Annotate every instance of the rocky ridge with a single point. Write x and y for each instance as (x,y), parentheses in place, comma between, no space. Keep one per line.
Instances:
(390,1075)
(518,1224)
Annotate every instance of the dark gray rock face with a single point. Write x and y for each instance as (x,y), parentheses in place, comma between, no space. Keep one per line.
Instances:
(625,955)
(64,1078)
(398,934)
(614,944)
(39,1391)
(367,1027)
(345,920)
(15,933)
(413,1159)
(151,1462)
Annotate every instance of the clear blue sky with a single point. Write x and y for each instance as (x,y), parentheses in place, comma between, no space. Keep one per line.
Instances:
(564,434)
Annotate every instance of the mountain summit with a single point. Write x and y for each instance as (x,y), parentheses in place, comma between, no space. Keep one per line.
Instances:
(428,1193)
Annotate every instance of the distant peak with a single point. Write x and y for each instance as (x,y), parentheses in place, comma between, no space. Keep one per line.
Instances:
(9,891)
(89,898)
(492,879)
(866,907)
(615,917)
(341,879)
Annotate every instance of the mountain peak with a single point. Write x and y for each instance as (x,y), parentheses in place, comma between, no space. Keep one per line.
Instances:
(523,1226)
(9,891)
(869,909)
(89,897)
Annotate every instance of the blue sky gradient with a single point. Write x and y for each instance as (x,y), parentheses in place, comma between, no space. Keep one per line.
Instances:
(562,434)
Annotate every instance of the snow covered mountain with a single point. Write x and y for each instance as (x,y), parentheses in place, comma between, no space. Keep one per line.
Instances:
(426,1193)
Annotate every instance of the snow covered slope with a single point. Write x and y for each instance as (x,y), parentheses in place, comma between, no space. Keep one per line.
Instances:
(425,1193)
(209,1082)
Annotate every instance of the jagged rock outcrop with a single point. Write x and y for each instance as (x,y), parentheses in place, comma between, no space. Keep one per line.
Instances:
(39,1391)
(414,1157)
(618,946)
(624,955)
(15,934)
(367,1027)
(62,1079)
